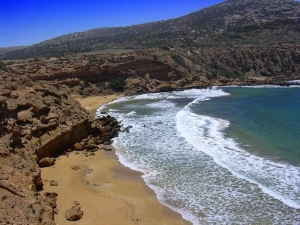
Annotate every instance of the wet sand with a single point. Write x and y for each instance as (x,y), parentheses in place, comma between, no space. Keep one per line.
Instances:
(108,192)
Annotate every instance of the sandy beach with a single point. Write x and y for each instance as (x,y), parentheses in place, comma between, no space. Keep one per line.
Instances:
(108,192)
(93,103)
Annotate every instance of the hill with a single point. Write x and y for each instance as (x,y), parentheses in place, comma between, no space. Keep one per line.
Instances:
(233,22)
(235,42)
(5,50)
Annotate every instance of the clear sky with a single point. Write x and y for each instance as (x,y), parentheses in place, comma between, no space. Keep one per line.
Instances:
(26,22)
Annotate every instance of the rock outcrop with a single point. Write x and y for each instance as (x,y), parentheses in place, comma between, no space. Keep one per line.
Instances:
(157,70)
(38,121)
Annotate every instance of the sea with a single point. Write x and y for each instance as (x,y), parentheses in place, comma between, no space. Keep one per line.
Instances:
(224,155)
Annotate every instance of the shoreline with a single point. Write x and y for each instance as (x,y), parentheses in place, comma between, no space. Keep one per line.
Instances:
(108,192)
(125,173)
(92,103)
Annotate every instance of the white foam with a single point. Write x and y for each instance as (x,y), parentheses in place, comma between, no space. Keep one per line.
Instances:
(131,113)
(161,104)
(201,94)
(158,190)
(99,115)
(101,108)
(182,176)
(297,82)
(160,95)
(205,134)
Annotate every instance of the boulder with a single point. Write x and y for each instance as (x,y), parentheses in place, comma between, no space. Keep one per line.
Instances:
(91,147)
(74,213)
(53,183)
(46,162)
(78,147)
(75,167)
(25,116)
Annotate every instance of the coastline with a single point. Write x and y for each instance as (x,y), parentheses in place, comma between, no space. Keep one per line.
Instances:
(92,103)
(108,192)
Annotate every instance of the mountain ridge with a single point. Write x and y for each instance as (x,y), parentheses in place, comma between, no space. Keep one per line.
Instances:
(235,42)
(235,19)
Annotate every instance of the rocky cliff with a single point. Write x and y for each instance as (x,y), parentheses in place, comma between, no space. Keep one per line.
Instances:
(38,121)
(154,70)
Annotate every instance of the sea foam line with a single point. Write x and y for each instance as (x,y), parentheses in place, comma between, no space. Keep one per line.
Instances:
(160,192)
(193,93)
(205,134)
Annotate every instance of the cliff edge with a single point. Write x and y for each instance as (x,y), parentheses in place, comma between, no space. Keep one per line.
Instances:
(38,121)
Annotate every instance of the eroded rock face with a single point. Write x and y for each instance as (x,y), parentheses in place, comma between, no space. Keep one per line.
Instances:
(176,69)
(37,121)
(71,71)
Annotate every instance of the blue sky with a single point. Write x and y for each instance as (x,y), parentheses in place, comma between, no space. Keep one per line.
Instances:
(26,22)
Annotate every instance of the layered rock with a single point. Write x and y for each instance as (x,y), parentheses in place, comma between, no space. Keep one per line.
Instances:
(38,121)
(165,70)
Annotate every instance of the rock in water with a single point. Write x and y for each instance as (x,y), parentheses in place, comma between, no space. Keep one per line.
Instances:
(73,214)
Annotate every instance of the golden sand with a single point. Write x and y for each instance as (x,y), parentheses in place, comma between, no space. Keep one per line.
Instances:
(108,192)
(93,103)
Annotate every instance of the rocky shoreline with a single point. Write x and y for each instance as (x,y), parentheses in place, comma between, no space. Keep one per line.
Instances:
(37,122)
(40,119)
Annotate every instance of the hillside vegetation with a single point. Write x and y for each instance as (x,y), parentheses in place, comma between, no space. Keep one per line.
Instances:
(234,22)
(238,40)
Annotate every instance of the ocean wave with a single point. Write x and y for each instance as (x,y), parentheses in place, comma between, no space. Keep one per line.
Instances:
(181,162)
(281,181)
(160,104)
(119,100)
(131,113)
(160,95)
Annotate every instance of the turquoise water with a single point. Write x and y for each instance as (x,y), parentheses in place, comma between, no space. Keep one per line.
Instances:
(266,121)
(220,156)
